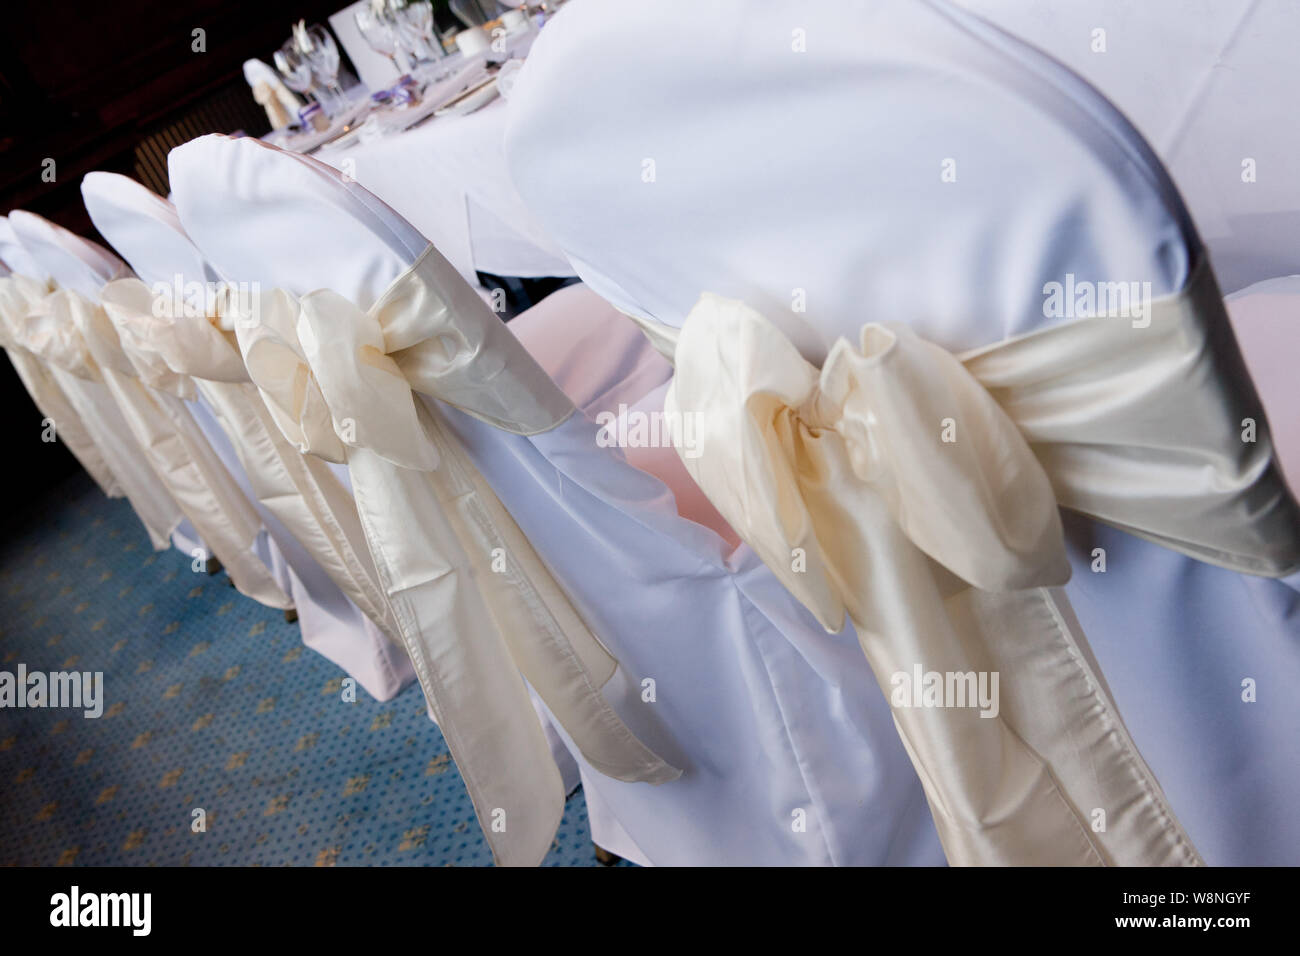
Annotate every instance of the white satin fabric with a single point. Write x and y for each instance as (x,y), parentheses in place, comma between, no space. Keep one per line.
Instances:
(476,607)
(18,294)
(848,469)
(69,365)
(14,256)
(1207,83)
(810,184)
(150,398)
(788,752)
(1266,321)
(310,516)
(72,331)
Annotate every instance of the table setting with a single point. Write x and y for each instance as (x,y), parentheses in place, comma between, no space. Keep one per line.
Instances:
(429,142)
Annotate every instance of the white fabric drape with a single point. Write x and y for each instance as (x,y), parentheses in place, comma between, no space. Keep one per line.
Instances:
(478,610)
(17,295)
(200,350)
(917,492)
(58,344)
(169,437)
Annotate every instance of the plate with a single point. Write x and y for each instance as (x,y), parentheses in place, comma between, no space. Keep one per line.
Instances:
(471,100)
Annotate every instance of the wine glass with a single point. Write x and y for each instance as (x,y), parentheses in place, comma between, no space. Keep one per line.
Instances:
(294,69)
(414,25)
(317,46)
(414,19)
(379,29)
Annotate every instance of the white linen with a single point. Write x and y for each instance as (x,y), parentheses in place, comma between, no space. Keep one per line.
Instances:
(18,294)
(448,178)
(786,757)
(1207,83)
(301,503)
(70,321)
(812,186)
(15,257)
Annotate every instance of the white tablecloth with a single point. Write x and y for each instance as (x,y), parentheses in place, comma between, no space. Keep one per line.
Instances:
(447,177)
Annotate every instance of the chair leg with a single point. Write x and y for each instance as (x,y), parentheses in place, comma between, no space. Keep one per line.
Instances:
(291,615)
(604,857)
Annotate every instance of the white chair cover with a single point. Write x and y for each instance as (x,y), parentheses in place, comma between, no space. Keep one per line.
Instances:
(434,526)
(19,293)
(1208,83)
(100,415)
(300,501)
(891,163)
(151,406)
(786,758)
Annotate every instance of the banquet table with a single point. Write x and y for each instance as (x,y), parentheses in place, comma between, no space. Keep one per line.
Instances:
(447,176)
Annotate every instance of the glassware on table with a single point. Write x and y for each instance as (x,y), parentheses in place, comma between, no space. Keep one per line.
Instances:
(316,45)
(294,69)
(379,29)
(415,29)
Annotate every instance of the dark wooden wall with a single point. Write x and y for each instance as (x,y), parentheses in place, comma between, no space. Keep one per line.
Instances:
(86,84)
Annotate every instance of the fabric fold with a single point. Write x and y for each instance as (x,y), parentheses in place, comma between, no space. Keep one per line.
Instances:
(198,482)
(479,612)
(918,492)
(74,369)
(17,295)
(198,343)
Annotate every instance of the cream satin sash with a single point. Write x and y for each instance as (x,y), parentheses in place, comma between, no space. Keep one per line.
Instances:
(17,295)
(57,343)
(200,351)
(172,441)
(475,604)
(917,492)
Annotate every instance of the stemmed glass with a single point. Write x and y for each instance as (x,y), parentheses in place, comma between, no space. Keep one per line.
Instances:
(379,28)
(316,45)
(294,69)
(416,31)
(414,20)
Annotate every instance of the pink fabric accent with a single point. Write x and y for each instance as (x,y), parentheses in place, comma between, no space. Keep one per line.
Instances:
(601,360)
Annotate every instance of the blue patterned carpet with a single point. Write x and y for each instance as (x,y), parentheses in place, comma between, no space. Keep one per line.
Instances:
(211,702)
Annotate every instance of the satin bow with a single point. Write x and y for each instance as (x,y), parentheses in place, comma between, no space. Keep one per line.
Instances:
(198,347)
(898,419)
(18,295)
(918,491)
(43,329)
(477,606)
(171,343)
(174,445)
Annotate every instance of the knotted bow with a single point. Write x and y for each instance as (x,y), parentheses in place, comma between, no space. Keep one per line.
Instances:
(43,330)
(179,452)
(178,339)
(198,346)
(18,296)
(918,491)
(900,420)
(476,605)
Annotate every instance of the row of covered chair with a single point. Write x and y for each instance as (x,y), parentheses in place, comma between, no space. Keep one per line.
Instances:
(291,374)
